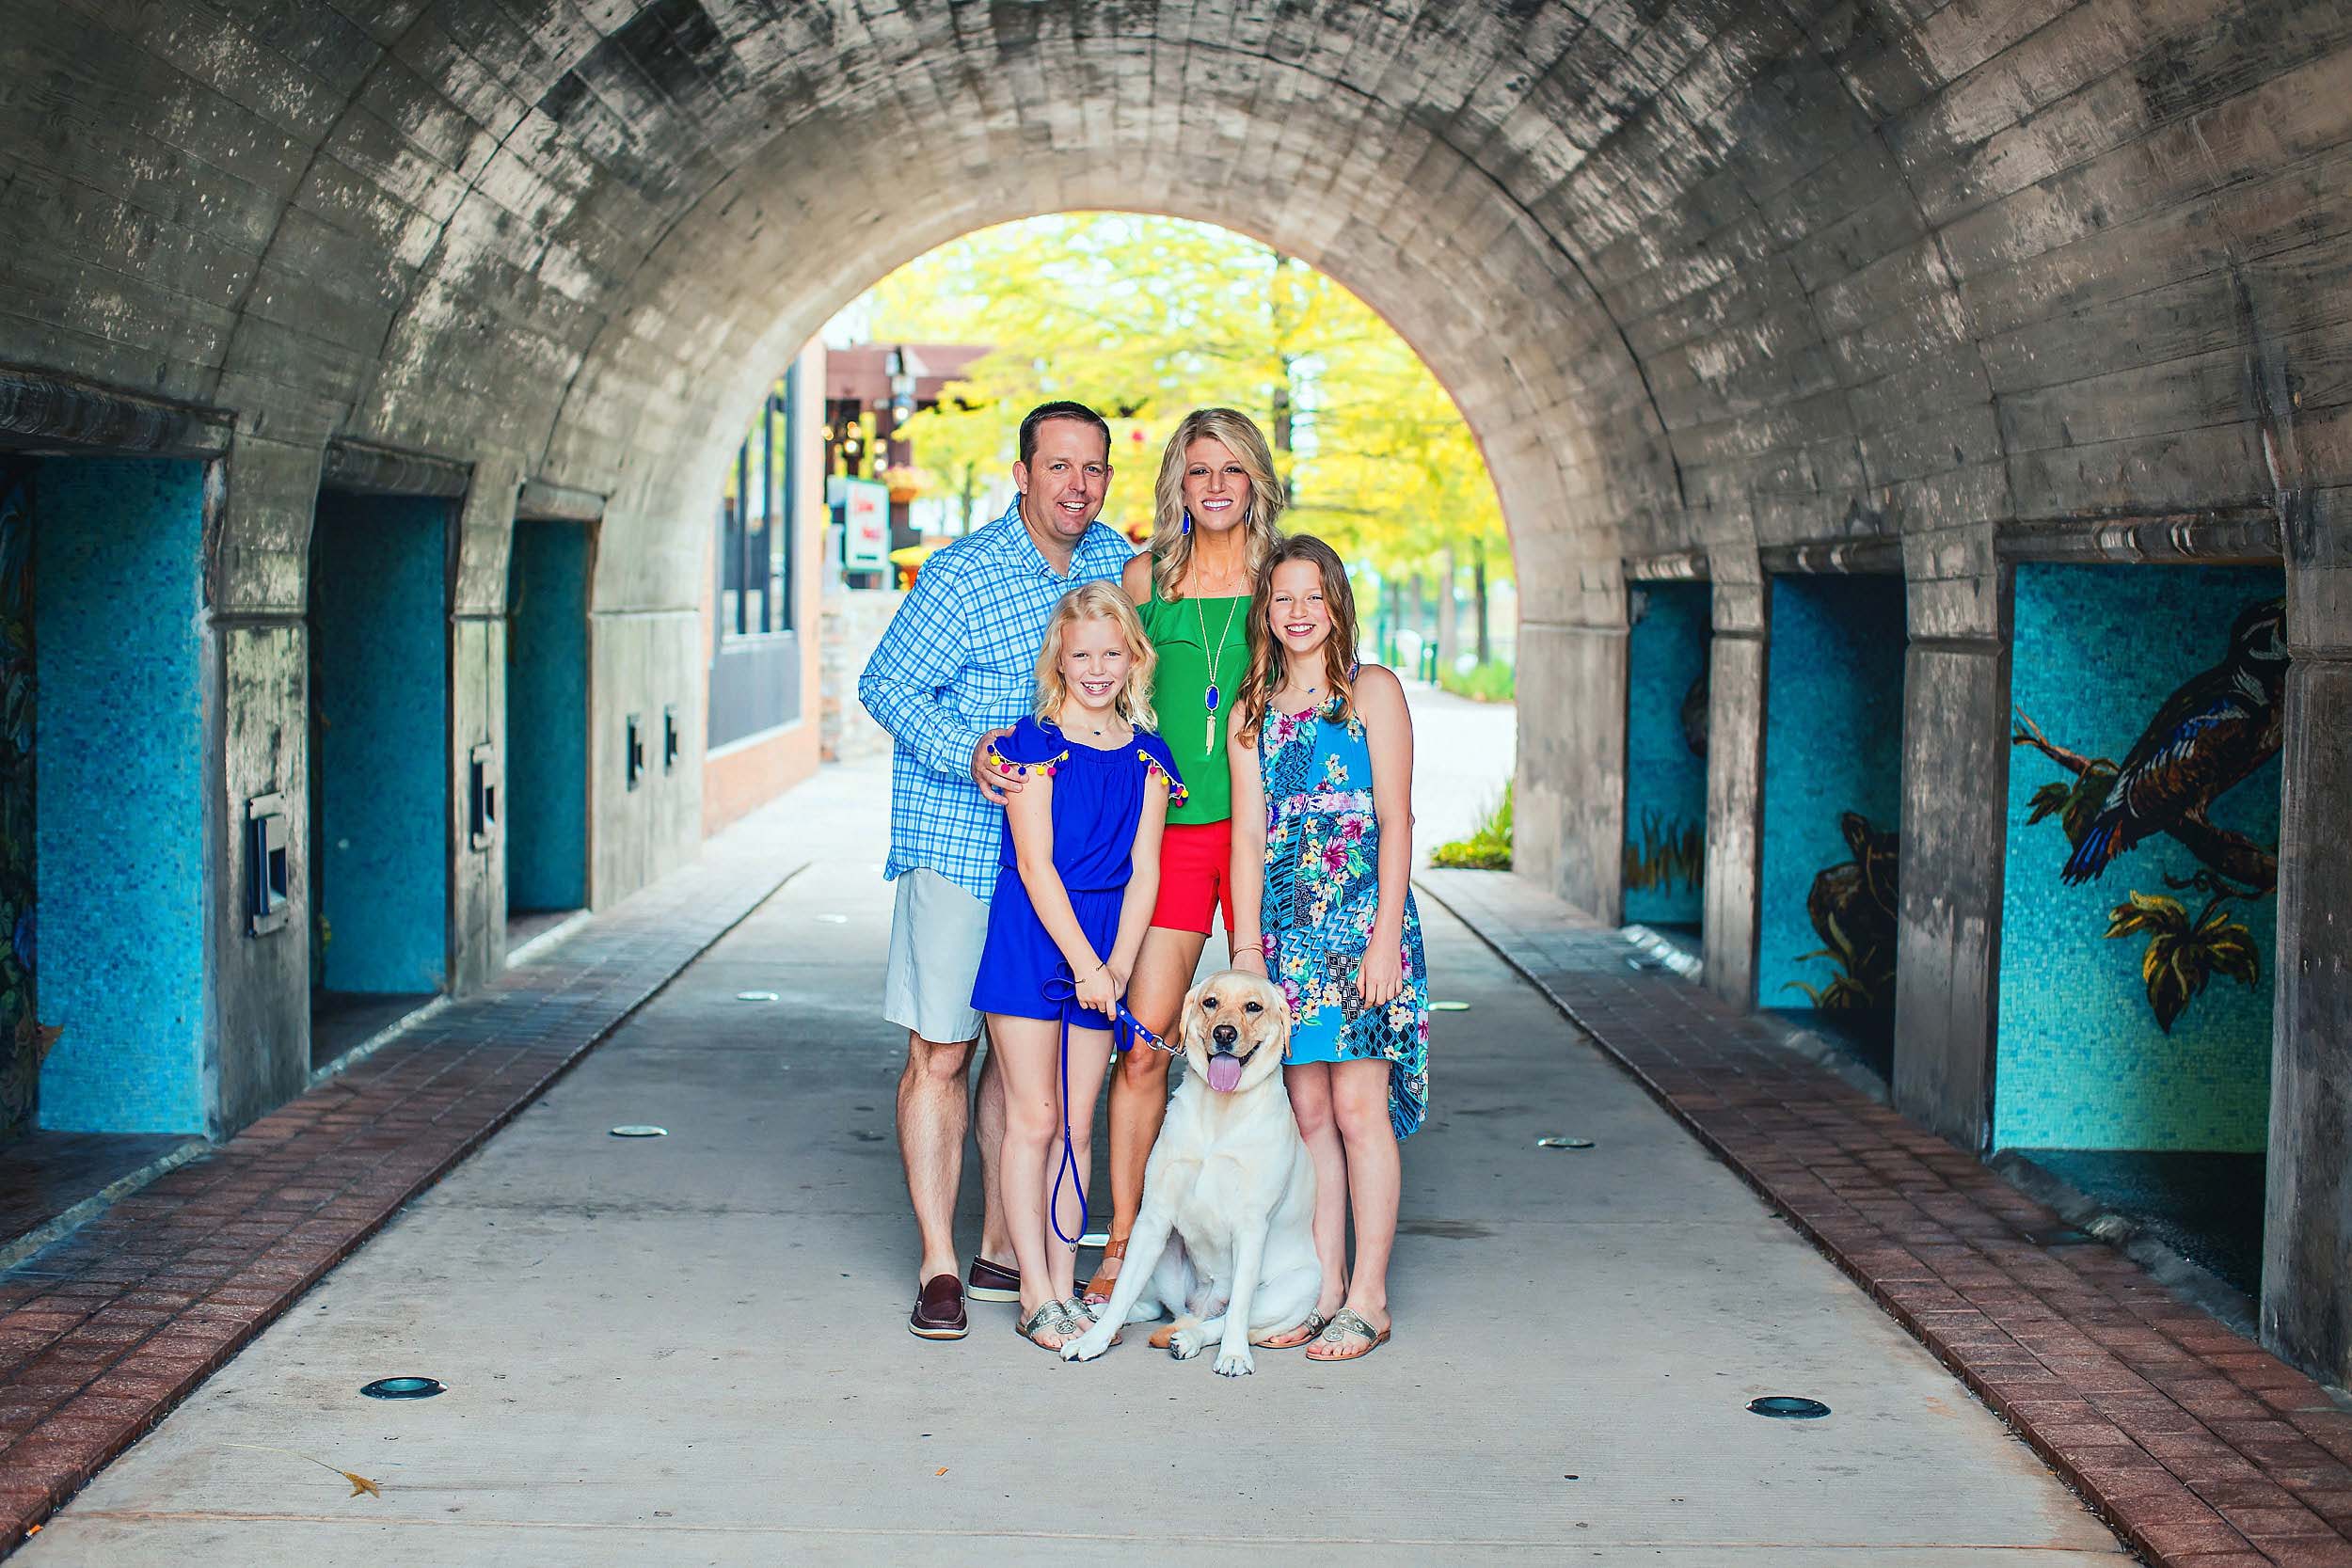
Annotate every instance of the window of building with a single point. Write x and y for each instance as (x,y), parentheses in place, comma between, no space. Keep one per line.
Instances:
(755,658)
(755,515)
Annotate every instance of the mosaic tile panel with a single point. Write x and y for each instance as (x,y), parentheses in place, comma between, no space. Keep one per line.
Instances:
(1665,754)
(379,663)
(120,826)
(1832,790)
(20,1053)
(2104,656)
(547,717)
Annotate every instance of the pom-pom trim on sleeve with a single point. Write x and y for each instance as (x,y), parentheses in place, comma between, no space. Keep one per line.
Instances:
(1000,763)
(1176,792)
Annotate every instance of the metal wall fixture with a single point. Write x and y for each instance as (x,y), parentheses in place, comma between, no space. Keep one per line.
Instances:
(636,748)
(482,792)
(268,881)
(670,739)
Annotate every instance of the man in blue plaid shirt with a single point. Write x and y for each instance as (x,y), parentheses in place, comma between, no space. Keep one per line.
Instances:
(956,668)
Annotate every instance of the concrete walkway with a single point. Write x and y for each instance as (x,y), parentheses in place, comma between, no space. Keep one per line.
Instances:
(692,1348)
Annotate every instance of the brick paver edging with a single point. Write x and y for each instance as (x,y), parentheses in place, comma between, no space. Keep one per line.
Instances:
(103,1332)
(2197,1447)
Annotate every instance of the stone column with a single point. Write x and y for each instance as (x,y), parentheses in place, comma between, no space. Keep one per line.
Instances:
(257,733)
(1568,813)
(1735,774)
(477,715)
(2307,1232)
(1956,745)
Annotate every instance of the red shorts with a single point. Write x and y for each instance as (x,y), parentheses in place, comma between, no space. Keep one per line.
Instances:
(1196,862)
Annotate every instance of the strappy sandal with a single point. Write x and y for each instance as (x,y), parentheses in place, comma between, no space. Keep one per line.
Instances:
(1344,1323)
(1052,1318)
(1305,1332)
(1100,1286)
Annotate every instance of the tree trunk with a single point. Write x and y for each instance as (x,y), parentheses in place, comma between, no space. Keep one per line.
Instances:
(1449,616)
(1409,615)
(1478,581)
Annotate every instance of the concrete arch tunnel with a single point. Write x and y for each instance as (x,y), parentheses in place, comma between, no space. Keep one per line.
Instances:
(1967,309)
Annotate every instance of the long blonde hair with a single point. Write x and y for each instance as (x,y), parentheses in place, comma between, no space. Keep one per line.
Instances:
(1098,601)
(1171,546)
(1265,649)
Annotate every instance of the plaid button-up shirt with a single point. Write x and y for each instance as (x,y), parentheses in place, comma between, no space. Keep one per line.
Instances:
(957,661)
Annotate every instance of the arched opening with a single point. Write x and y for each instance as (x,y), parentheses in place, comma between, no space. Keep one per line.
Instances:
(927,374)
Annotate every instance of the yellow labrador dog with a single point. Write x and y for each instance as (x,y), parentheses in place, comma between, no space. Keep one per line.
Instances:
(1224,1237)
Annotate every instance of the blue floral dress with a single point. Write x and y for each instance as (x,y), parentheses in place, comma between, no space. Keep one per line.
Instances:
(1322,892)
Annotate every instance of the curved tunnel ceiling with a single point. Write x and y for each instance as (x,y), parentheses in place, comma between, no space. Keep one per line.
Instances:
(1701,273)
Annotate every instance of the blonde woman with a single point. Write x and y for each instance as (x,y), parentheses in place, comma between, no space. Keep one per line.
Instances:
(1078,878)
(1217,503)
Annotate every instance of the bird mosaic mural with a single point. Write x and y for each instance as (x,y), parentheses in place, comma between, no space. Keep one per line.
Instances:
(2203,740)
(2217,727)
(1853,907)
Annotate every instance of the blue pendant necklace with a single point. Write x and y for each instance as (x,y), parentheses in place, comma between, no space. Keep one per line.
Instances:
(1215,650)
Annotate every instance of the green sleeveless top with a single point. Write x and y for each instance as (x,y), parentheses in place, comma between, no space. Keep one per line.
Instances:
(1180,693)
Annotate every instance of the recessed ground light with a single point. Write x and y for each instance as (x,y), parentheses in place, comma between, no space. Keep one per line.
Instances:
(1560,1140)
(402,1388)
(1788,1408)
(2059,1235)
(641,1129)
(1449,1006)
(757,996)
(834,919)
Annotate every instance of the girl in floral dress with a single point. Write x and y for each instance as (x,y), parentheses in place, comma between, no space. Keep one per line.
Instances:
(1322,755)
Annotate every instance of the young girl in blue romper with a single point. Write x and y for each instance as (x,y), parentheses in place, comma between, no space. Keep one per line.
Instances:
(1322,760)
(1080,873)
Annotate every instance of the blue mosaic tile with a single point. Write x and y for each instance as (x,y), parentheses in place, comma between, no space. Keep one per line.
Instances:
(2083,1060)
(1665,762)
(547,717)
(118,547)
(1832,747)
(379,657)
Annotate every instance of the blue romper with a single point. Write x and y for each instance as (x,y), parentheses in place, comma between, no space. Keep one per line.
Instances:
(1098,799)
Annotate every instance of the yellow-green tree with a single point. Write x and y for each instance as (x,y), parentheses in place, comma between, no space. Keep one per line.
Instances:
(1146,318)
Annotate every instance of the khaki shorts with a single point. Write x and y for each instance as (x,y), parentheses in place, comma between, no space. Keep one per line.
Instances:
(937,930)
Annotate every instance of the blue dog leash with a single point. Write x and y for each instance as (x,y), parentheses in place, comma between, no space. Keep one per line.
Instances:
(1125,1033)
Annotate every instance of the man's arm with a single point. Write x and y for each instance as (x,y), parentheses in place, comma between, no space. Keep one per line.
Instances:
(925,645)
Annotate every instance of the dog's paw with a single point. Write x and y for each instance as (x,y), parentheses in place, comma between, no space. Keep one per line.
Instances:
(1086,1346)
(1186,1344)
(1235,1363)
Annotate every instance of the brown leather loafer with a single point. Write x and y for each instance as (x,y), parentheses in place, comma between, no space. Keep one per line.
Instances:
(991,1281)
(939,1310)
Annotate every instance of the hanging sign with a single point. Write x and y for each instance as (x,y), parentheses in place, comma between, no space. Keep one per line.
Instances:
(865,534)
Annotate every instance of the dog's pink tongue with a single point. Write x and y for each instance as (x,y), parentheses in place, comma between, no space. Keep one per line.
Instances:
(1224,1073)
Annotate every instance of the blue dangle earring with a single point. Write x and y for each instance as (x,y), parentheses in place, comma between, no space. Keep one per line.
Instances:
(1187,519)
